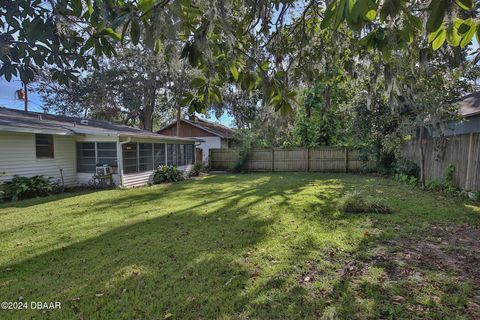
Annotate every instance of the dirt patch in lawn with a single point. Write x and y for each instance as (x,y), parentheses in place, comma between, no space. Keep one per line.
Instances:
(453,250)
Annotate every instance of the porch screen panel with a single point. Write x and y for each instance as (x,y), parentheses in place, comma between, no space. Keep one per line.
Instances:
(86,161)
(130,158)
(189,152)
(181,154)
(158,155)
(107,153)
(146,156)
(172,152)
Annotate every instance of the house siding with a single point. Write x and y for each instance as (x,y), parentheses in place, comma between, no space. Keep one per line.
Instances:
(17,157)
(143,178)
(186,130)
(209,143)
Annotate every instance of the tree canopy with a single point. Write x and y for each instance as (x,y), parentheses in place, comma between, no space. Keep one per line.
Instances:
(256,44)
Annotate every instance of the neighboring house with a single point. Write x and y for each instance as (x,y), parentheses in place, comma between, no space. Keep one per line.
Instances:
(214,135)
(71,149)
(469,110)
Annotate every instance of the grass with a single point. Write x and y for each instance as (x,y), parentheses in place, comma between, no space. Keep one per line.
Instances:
(242,246)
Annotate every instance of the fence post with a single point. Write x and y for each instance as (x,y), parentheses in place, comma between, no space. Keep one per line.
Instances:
(210,159)
(308,160)
(469,163)
(273,159)
(346,159)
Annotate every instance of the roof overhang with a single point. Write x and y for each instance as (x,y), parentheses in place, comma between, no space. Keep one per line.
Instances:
(36,130)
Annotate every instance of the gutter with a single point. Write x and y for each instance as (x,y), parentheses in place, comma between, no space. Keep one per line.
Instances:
(129,139)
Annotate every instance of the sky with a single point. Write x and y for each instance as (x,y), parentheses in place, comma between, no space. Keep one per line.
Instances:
(8,97)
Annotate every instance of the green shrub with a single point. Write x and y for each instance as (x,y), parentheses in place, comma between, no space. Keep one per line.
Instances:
(198,167)
(244,153)
(2,188)
(355,202)
(407,167)
(28,187)
(446,185)
(406,179)
(167,173)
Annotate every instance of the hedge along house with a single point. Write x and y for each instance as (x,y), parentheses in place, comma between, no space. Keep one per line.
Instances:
(69,150)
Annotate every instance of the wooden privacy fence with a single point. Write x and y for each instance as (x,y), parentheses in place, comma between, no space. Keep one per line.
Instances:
(322,159)
(462,151)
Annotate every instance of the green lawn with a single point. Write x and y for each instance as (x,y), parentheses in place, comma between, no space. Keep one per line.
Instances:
(243,246)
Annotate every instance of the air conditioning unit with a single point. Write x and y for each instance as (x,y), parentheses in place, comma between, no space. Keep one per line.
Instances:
(103,170)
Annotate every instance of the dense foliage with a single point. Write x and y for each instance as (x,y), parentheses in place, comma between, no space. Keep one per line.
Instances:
(167,173)
(28,187)
(256,44)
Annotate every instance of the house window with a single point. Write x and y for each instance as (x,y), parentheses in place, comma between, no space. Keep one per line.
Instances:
(158,154)
(190,156)
(145,156)
(139,157)
(44,145)
(130,158)
(91,154)
(171,154)
(107,153)
(86,159)
(181,154)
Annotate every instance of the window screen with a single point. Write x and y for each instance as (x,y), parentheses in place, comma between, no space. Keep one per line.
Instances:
(107,153)
(145,156)
(171,154)
(189,151)
(44,145)
(159,154)
(130,158)
(181,154)
(86,157)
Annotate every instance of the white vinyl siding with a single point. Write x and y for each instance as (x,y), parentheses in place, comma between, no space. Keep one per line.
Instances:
(143,178)
(18,157)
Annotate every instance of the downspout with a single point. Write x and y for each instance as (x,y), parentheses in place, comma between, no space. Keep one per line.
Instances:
(120,157)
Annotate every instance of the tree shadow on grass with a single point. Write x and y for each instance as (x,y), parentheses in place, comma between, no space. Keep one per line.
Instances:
(185,262)
(192,261)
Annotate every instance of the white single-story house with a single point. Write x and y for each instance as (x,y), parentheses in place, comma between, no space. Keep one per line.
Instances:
(213,135)
(70,150)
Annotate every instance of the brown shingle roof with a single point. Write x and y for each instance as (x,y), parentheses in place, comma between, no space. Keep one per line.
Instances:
(214,128)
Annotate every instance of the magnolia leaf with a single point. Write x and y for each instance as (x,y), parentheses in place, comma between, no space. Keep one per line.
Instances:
(329,13)
(198,82)
(111,33)
(464,4)
(439,40)
(157,46)
(453,38)
(77,7)
(437,12)
(135,31)
(478,33)
(234,71)
(340,11)
(467,37)
(90,7)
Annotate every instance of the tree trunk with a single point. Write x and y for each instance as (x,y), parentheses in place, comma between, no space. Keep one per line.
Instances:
(146,116)
(422,160)
(179,118)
